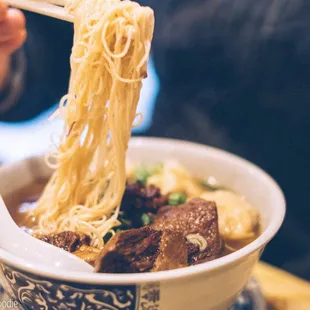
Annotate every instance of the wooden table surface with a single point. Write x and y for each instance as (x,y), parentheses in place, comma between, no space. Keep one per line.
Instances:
(282,290)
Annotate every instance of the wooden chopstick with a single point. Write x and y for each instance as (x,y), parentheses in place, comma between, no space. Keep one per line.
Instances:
(43,8)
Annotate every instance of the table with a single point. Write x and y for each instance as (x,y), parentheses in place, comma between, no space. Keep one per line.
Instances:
(282,290)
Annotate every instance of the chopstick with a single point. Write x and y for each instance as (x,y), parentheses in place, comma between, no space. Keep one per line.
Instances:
(52,8)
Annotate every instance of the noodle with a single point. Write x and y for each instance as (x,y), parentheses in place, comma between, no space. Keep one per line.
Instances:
(108,62)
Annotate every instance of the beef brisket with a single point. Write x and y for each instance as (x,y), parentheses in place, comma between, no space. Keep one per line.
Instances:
(142,250)
(66,240)
(196,217)
(145,198)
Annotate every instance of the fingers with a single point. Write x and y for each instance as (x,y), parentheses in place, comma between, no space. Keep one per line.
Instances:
(13,24)
(10,46)
(12,29)
(3,11)
(16,17)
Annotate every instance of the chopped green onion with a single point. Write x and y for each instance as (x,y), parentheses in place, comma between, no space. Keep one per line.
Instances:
(176,199)
(126,223)
(146,219)
(142,175)
(157,168)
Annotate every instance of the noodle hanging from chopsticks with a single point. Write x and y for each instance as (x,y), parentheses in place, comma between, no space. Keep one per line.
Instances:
(112,41)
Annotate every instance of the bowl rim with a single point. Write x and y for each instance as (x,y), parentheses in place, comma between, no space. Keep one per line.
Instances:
(137,278)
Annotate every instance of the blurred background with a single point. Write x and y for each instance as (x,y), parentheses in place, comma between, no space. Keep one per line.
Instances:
(234,74)
(19,140)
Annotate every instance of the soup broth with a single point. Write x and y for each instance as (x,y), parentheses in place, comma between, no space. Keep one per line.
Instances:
(168,219)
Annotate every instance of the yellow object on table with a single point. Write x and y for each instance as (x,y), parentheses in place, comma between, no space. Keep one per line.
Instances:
(282,290)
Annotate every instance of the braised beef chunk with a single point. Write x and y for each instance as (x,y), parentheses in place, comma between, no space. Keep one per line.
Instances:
(193,250)
(141,250)
(139,205)
(145,198)
(173,252)
(197,216)
(67,240)
(133,250)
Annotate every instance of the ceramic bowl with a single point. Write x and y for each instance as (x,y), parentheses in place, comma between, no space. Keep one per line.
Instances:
(209,286)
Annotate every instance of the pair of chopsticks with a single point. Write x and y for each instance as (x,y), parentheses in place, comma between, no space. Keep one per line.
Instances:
(52,8)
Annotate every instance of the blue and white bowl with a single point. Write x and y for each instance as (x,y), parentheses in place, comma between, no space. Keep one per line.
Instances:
(213,285)
(250,298)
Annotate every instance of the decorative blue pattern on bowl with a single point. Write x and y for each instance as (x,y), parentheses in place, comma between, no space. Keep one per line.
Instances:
(34,293)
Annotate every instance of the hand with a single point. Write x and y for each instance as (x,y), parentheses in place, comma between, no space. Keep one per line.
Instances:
(12,36)
(12,29)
